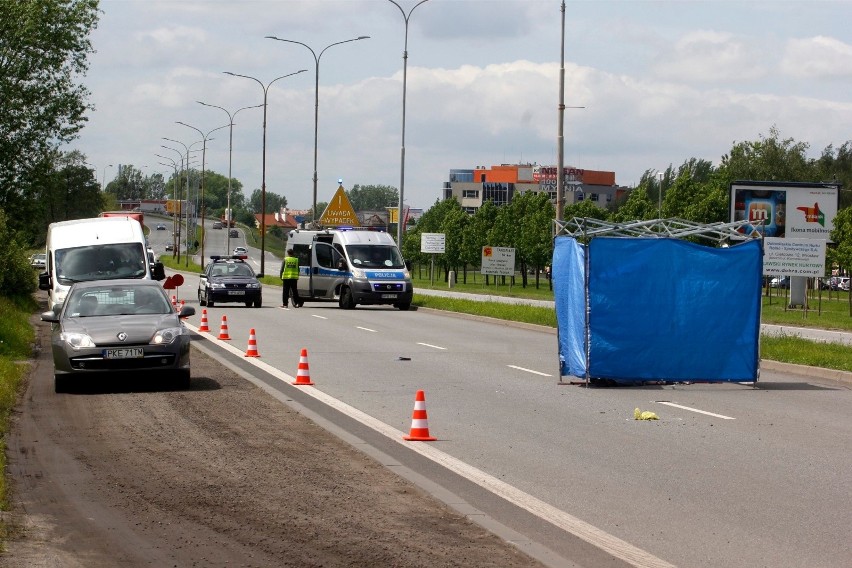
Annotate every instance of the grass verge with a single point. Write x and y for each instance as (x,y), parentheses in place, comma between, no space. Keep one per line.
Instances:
(16,346)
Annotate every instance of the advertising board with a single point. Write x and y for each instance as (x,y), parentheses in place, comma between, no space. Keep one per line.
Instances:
(785,209)
(498,261)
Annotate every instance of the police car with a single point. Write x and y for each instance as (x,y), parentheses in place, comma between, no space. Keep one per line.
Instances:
(229,279)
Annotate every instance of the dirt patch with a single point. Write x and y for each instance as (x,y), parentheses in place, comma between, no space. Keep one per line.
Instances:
(131,474)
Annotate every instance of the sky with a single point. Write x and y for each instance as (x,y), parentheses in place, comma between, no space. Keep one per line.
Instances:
(654,83)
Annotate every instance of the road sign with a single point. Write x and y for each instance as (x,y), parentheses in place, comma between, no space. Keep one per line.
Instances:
(339,211)
(433,243)
(498,261)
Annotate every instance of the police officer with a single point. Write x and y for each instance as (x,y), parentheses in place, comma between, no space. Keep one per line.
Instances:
(289,277)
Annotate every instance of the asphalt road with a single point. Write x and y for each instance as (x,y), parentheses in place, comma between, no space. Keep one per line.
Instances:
(730,475)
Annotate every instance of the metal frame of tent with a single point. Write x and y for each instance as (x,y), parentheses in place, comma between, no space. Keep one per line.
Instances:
(586,228)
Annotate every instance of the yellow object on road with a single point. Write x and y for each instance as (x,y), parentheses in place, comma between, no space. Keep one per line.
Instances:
(646,415)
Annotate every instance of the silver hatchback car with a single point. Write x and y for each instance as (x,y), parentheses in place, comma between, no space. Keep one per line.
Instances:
(118,326)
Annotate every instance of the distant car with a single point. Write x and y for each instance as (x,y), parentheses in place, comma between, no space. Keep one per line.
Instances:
(233,233)
(229,279)
(240,251)
(170,246)
(780,282)
(118,326)
(38,260)
(161,227)
(217,225)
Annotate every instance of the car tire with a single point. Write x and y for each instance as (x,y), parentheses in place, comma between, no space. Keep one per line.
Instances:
(201,302)
(347,300)
(402,307)
(182,379)
(257,303)
(249,304)
(60,384)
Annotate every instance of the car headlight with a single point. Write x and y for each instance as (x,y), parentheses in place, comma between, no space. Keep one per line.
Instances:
(165,336)
(217,285)
(253,285)
(358,273)
(77,340)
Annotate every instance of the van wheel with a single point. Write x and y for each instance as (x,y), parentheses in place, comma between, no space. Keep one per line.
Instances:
(182,379)
(257,303)
(402,307)
(347,301)
(200,301)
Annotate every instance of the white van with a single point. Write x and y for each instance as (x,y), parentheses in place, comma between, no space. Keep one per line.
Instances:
(102,248)
(352,266)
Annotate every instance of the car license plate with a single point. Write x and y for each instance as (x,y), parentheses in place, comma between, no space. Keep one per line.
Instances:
(124,353)
(236,292)
(389,296)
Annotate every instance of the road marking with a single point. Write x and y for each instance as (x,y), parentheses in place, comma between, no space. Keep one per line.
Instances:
(320,317)
(366,329)
(722,416)
(432,346)
(529,371)
(610,544)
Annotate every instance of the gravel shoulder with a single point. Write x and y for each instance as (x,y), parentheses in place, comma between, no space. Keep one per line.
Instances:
(133,473)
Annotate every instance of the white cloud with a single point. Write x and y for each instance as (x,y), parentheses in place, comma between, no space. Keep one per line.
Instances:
(174,36)
(817,57)
(709,57)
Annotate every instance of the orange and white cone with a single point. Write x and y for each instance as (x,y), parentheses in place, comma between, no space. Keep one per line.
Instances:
(251,350)
(303,375)
(203,326)
(223,329)
(174,302)
(419,422)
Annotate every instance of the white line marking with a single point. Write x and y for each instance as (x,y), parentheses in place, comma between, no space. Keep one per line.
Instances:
(366,329)
(432,346)
(320,317)
(596,537)
(722,416)
(529,371)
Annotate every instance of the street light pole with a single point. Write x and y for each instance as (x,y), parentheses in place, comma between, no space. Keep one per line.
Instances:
(560,136)
(204,137)
(187,194)
(176,219)
(660,176)
(316,104)
(174,190)
(231,116)
(399,221)
(263,174)
(103,178)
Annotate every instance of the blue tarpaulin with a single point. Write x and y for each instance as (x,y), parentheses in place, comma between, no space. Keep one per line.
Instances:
(660,309)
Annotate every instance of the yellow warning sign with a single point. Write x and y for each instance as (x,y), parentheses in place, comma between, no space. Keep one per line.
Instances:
(339,211)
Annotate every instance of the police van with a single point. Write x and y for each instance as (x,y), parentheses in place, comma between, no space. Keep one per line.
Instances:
(353,266)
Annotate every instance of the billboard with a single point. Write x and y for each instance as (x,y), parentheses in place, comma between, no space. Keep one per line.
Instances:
(785,209)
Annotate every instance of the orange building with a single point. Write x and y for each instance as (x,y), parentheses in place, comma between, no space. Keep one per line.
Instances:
(500,183)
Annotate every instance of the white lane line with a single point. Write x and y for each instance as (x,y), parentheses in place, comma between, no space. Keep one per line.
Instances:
(366,329)
(432,346)
(529,371)
(610,544)
(722,416)
(319,317)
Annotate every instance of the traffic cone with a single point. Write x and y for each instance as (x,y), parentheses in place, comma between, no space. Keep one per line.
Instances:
(203,326)
(419,422)
(174,302)
(182,304)
(223,329)
(303,375)
(251,350)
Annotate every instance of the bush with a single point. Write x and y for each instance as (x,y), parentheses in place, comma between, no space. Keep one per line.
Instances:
(17,277)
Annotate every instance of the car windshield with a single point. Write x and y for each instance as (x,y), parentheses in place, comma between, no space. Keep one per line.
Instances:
(117,300)
(101,262)
(374,256)
(232,270)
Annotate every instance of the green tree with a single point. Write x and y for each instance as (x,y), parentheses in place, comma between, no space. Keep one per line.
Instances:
(475,235)
(373,197)
(16,275)
(44,46)
(535,221)
(274,202)
(771,158)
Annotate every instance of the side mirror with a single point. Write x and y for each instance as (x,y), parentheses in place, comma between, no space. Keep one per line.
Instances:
(51,316)
(186,311)
(407,264)
(158,271)
(44,281)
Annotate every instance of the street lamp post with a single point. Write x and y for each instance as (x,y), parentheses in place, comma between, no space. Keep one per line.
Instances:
(103,178)
(174,192)
(660,176)
(399,221)
(187,193)
(231,116)
(316,103)
(263,166)
(176,196)
(204,137)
